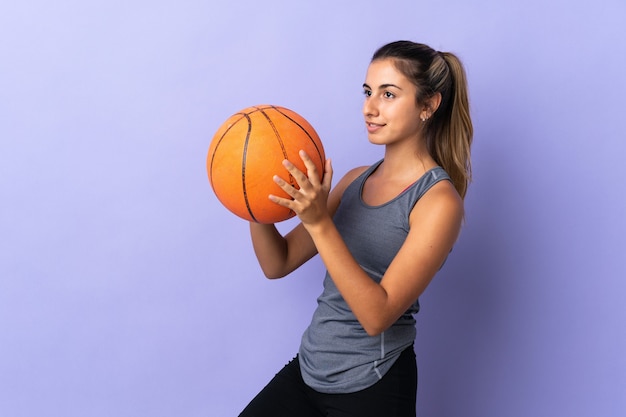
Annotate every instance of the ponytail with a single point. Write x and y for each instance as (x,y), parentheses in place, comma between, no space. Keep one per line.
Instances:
(449,131)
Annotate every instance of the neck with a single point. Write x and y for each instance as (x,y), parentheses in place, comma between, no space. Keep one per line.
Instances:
(406,161)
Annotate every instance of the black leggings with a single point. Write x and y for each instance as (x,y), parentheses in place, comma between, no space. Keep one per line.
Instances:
(288,396)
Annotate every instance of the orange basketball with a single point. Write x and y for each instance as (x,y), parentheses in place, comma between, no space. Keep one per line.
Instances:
(248,150)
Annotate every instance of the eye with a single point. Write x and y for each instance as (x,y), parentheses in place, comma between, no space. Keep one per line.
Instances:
(389,94)
(367,93)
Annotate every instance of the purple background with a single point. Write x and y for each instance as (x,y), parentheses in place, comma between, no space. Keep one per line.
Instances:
(127,290)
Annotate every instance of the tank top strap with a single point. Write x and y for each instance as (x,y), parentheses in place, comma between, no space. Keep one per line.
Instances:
(425,182)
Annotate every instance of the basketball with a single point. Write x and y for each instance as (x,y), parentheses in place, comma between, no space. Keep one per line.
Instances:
(247,151)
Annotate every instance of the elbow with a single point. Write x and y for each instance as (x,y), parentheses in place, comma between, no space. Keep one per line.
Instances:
(272,277)
(378,323)
(375,329)
(273,274)
(373,332)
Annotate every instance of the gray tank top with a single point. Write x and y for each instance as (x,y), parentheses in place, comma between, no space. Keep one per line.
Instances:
(336,354)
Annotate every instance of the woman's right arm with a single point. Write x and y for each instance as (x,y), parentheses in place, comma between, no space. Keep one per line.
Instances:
(280,255)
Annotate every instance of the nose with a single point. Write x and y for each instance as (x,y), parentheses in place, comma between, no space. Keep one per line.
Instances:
(369,107)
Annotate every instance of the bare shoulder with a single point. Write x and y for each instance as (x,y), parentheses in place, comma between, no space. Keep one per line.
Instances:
(441,203)
(351,176)
(335,195)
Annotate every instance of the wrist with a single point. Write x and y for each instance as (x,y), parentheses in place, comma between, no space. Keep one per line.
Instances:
(320,227)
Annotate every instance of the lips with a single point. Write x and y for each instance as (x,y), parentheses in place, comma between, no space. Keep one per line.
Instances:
(373,127)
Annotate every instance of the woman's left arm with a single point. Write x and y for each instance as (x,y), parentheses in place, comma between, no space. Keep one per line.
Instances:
(435,222)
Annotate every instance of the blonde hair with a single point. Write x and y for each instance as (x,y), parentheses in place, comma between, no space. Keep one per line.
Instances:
(449,131)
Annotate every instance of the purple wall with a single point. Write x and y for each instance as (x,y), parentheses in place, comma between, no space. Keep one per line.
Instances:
(127,290)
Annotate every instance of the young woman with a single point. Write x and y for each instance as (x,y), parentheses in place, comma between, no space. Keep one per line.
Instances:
(383,232)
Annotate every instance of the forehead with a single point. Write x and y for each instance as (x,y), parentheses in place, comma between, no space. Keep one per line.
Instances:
(383,72)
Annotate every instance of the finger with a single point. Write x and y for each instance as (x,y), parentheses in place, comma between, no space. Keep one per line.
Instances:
(285,202)
(328,174)
(285,186)
(312,173)
(298,175)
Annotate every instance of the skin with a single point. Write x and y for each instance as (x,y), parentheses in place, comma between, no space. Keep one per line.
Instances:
(392,119)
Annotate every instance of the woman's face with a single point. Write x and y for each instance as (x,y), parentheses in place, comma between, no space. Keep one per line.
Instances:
(390,108)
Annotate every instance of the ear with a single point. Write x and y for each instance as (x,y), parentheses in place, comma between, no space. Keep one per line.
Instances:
(431,105)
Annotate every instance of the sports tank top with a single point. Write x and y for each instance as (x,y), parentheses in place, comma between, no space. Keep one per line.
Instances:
(336,354)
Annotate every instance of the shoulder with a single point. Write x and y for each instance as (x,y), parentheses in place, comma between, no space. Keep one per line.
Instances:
(441,203)
(337,192)
(350,176)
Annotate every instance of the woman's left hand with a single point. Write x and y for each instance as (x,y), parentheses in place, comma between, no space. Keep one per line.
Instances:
(310,201)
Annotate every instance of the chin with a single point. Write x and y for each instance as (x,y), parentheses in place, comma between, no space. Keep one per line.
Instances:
(375,140)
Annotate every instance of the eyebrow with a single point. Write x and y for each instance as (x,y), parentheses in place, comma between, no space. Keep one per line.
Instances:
(382,86)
